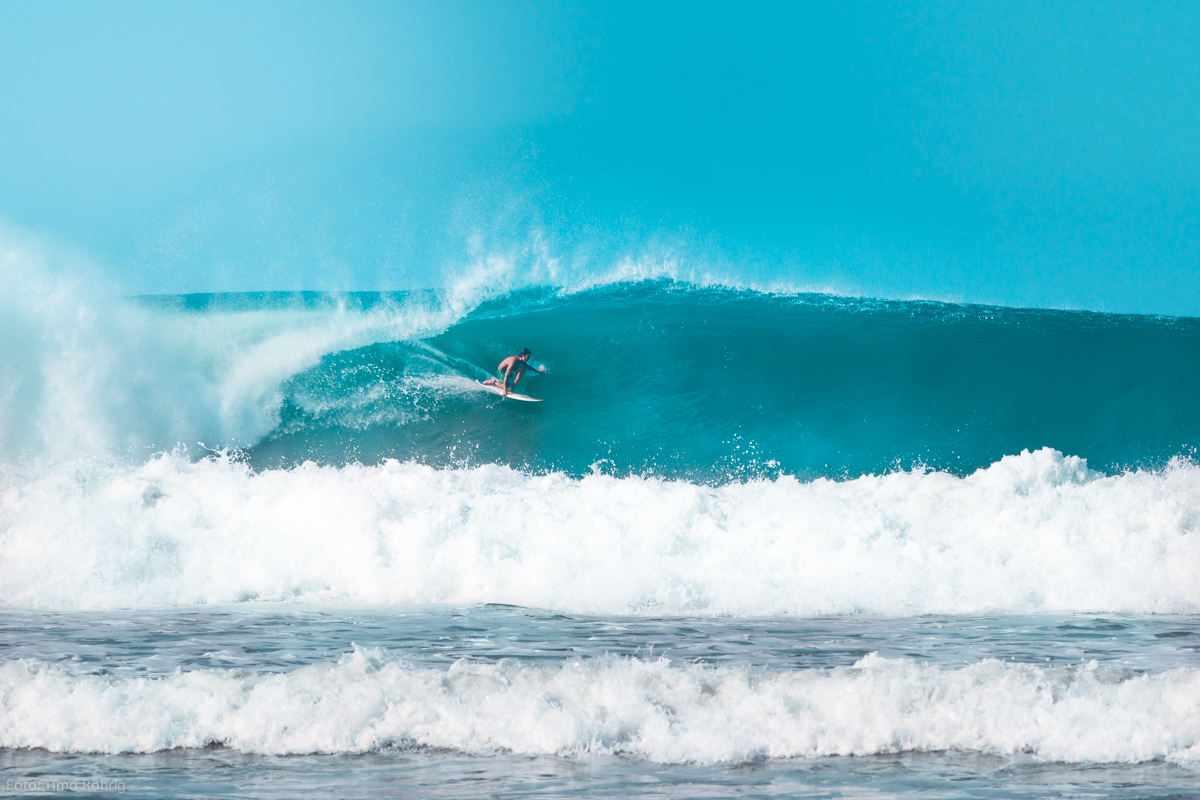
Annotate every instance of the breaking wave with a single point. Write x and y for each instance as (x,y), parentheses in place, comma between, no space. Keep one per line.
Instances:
(1035,532)
(646,709)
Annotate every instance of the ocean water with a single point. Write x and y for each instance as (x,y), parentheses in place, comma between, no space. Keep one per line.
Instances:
(751,544)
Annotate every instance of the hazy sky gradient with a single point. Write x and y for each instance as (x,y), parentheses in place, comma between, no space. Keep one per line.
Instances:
(1025,154)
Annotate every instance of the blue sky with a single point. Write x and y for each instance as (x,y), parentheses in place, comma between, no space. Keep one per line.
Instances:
(1020,153)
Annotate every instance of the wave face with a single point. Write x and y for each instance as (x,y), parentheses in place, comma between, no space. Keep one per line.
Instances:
(1033,533)
(714,384)
(646,709)
(698,450)
(648,378)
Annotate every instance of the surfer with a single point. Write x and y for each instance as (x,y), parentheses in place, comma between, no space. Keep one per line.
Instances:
(513,364)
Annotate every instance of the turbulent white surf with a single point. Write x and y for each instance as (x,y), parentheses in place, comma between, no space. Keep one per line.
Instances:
(647,709)
(1036,532)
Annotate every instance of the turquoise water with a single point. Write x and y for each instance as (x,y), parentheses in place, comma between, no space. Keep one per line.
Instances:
(751,544)
(716,384)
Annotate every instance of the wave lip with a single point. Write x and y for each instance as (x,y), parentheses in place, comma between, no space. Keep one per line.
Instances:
(645,709)
(1033,533)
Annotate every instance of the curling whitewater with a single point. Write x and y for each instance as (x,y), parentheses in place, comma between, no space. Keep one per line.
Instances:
(1033,533)
(646,709)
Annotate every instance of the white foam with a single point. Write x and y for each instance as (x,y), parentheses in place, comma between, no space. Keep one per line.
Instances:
(647,709)
(85,372)
(1037,532)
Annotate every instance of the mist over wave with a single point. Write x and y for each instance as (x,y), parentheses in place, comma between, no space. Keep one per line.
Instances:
(1038,532)
(89,372)
(647,709)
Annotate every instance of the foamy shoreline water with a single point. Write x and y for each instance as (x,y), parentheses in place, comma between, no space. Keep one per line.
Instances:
(646,709)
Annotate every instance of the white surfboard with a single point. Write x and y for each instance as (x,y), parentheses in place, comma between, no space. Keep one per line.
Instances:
(511,395)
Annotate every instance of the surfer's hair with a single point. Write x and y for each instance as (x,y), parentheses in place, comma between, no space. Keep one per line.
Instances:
(524,351)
